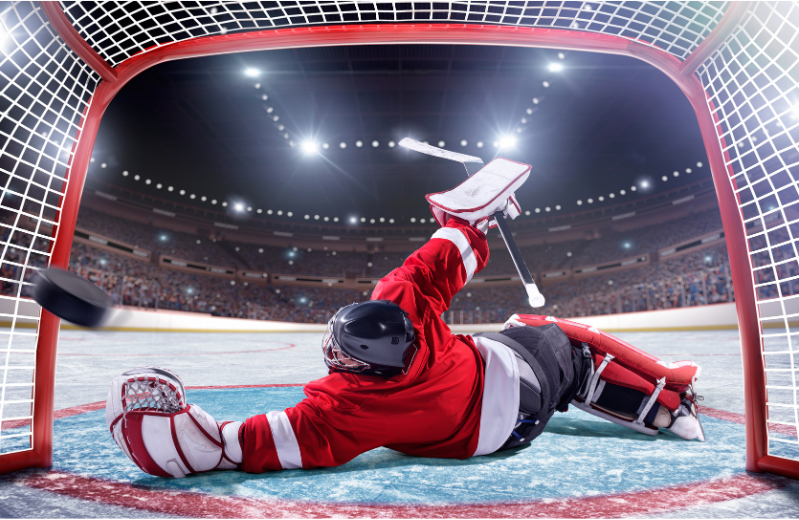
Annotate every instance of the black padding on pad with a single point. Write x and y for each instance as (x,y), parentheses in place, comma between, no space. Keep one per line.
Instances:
(71,297)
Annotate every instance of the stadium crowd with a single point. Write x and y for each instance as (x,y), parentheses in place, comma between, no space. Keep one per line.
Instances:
(697,278)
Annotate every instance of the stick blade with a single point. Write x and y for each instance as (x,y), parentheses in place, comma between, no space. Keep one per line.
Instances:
(417,146)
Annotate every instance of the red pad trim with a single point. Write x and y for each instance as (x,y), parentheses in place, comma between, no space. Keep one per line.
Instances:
(258,449)
(131,432)
(619,375)
(678,378)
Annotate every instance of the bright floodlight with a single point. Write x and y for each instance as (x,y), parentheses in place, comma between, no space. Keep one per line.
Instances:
(238,206)
(309,147)
(507,141)
(555,67)
(251,72)
(644,184)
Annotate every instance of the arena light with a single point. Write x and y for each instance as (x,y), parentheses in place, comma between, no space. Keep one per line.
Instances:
(251,72)
(353,220)
(555,67)
(238,206)
(507,141)
(309,147)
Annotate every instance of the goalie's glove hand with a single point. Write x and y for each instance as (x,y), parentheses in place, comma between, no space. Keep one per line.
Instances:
(150,421)
(486,192)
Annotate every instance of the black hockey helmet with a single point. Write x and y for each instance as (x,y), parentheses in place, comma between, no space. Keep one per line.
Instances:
(371,337)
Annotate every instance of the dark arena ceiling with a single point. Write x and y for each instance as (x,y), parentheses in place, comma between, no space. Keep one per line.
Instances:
(235,129)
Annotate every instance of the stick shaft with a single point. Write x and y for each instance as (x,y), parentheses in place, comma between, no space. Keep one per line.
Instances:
(513,249)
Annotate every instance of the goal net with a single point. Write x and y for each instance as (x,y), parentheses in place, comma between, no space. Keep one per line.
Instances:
(62,62)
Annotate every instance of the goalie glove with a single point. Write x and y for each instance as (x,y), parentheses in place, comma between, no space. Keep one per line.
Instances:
(480,196)
(150,421)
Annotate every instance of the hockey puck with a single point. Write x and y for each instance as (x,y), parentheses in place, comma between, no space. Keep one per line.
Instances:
(71,297)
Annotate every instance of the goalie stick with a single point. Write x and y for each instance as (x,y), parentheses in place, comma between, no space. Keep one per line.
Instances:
(472,165)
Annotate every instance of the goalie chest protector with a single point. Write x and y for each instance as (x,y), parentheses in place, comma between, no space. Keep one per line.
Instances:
(631,367)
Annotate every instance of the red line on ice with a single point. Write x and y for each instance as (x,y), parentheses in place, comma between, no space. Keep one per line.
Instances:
(290,346)
(172,502)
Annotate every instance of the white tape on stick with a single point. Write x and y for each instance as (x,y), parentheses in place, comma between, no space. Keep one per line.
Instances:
(534,296)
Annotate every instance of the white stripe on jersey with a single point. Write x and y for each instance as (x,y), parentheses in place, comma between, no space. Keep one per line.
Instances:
(467,255)
(500,406)
(288,451)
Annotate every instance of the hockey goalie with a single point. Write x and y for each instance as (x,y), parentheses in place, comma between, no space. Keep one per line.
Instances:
(399,378)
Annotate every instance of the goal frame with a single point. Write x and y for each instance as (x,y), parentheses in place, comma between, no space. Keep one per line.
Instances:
(680,72)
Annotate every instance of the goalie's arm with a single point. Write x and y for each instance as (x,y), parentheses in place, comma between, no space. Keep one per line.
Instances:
(434,273)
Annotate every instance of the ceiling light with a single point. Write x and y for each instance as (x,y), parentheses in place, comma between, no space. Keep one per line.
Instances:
(269,110)
(103,165)
(125,173)
(391,221)
(238,206)
(136,177)
(259,210)
(159,185)
(479,144)
(441,144)
(264,97)
(391,144)
(536,101)
(527,212)
(699,165)
(257,85)
(665,178)
(561,56)
(325,146)
(421,220)
(335,219)
(557,207)
(307,217)
(413,220)
(353,220)
(249,208)
(546,84)
(644,184)
(507,141)
(280,212)
(633,188)
(251,72)
(170,188)
(213,201)
(579,203)
(309,147)
(192,196)
(375,144)
(148,181)
(288,214)
(622,192)
(612,195)
(601,198)
(547,209)
(326,219)
(203,198)
(538,210)
(316,217)
(342,145)
(382,219)
(676,174)
(688,170)
(358,143)
(590,201)
(463,142)
(555,67)
(371,221)
(269,212)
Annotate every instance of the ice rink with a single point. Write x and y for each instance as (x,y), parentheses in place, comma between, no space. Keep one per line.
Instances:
(580,467)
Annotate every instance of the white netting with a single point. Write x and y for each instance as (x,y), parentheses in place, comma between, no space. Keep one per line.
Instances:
(44,90)
(119,30)
(753,88)
(152,394)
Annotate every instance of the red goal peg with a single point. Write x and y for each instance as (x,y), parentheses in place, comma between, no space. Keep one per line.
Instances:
(71,297)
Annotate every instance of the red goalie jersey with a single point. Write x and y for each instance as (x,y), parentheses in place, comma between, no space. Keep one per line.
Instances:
(432,410)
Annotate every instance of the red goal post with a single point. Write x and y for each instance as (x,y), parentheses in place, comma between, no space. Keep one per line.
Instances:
(62,64)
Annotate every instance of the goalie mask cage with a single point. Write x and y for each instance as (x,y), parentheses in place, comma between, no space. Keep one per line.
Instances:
(61,63)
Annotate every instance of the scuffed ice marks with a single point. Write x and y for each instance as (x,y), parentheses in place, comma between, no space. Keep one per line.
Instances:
(578,455)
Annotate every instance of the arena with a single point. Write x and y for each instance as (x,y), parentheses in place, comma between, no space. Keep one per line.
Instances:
(232,175)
